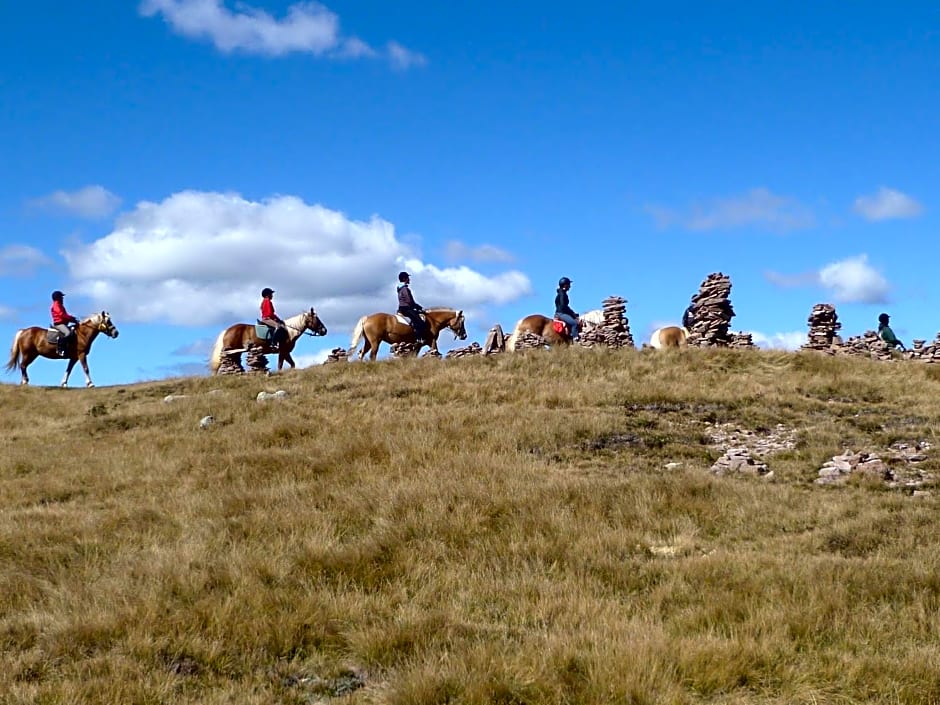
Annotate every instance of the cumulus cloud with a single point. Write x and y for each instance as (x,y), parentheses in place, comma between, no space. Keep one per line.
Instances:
(887,204)
(791,340)
(454,251)
(851,280)
(201,258)
(758,207)
(20,260)
(89,202)
(6,313)
(307,27)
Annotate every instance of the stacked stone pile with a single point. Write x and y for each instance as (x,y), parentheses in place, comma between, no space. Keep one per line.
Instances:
(614,332)
(404,349)
(255,360)
(742,341)
(898,467)
(866,345)
(529,341)
(740,461)
(924,351)
(231,365)
(432,353)
(823,323)
(472,349)
(712,312)
(336,355)
(495,341)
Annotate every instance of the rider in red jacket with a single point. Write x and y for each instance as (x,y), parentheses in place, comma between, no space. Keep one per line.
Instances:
(60,320)
(270,318)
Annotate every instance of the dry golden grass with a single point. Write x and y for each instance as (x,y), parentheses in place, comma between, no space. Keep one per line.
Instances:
(486,530)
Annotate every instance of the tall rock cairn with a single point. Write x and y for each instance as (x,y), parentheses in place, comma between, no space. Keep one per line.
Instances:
(712,312)
(495,341)
(255,360)
(614,332)
(823,323)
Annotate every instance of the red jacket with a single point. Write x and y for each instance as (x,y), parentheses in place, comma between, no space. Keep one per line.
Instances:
(60,315)
(267,309)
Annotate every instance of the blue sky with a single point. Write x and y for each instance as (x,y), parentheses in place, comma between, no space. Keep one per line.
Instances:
(165,160)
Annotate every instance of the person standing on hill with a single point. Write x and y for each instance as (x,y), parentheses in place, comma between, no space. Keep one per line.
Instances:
(688,317)
(411,309)
(270,318)
(887,335)
(563,310)
(60,321)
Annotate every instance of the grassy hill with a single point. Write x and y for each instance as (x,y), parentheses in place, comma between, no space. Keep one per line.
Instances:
(539,528)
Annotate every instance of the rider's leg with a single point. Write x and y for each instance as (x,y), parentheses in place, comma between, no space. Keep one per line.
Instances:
(64,333)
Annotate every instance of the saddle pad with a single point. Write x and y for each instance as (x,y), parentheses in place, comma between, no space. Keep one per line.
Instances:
(52,335)
(262,331)
(403,319)
(559,326)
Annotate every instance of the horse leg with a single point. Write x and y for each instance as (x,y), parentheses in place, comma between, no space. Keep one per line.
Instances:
(285,357)
(68,371)
(84,360)
(374,348)
(24,363)
(365,348)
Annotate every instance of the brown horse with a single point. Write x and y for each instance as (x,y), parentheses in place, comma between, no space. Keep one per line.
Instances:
(240,335)
(30,343)
(670,337)
(388,328)
(540,325)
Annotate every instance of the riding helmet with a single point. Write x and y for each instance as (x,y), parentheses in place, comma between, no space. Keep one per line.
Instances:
(403,276)
(266,291)
(57,295)
(883,318)
(564,281)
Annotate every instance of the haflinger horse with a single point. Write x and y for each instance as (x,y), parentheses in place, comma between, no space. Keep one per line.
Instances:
(670,337)
(391,328)
(239,336)
(33,342)
(540,325)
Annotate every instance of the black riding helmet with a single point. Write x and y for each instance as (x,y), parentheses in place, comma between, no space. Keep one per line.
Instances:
(267,291)
(564,281)
(883,318)
(403,277)
(57,295)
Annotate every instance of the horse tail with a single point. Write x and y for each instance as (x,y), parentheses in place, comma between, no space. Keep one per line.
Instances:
(14,352)
(357,334)
(511,340)
(215,358)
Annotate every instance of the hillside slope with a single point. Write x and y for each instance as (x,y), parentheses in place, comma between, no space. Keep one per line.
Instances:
(536,528)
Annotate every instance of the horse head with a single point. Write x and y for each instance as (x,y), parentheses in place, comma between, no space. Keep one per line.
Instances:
(102,323)
(313,323)
(456,324)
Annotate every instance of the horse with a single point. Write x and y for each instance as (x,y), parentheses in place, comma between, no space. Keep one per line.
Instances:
(389,328)
(240,335)
(670,337)
(540,325)
(30,343)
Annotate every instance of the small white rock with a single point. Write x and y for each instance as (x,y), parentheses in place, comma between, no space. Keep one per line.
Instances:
(173,397)
(206,421)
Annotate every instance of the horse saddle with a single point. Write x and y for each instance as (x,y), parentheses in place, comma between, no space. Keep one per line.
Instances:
(264,331)
(52,335)
(404,320)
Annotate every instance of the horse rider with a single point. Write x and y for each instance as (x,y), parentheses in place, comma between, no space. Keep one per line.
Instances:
(688,317)
(411,309)
(887,335)
(271,319)
(563,310)
(60,321)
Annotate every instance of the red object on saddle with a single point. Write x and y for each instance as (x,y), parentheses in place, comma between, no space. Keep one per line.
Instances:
(560,326)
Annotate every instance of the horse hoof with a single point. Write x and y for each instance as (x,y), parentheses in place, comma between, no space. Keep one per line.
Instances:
(89,384)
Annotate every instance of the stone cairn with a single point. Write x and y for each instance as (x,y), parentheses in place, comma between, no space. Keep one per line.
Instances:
(925,352)
(255,360)
(899,467)
(823,323)
(472,349)
(495,341)
(404,349)
(741,341)
(712,312)
(529,341)
(614,332)
(336,355)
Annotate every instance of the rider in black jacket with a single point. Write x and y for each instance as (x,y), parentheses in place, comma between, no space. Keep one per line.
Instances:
(407,306)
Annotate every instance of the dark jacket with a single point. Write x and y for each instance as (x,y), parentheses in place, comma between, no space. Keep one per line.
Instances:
(562,305)
(406,302)
(888,336)
(687,318)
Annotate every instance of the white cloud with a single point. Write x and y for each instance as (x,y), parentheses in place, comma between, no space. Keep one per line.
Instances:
(6,313)
(201,258)
(308,27)
(455,251)
(853,280)
(758,207)
(88,202)
(791,340)
(311,359)
(20,260)
(887,204)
